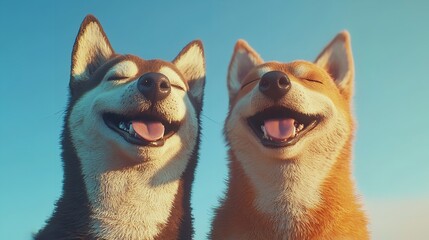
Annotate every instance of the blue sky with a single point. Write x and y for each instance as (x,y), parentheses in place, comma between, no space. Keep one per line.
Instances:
(390,41)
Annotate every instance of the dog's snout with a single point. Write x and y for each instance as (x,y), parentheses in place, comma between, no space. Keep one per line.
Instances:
(154,86)
(274,84)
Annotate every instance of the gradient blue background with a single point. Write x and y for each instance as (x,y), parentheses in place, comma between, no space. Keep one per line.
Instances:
(390,40)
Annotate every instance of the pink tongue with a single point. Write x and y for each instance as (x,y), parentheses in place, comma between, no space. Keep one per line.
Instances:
(280,129)
(150,131)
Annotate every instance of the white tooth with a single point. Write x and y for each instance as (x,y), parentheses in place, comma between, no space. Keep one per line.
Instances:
(122,126)
(264,131)
(300,127)
(132,131)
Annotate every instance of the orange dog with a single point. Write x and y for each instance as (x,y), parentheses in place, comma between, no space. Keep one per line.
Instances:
(290,131)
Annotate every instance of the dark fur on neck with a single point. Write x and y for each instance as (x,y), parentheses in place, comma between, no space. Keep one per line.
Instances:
(71,216)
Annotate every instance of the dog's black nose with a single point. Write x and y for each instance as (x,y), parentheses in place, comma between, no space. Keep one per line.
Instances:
(154,86)
(274,84)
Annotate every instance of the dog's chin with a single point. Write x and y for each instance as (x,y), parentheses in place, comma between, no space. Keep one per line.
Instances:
(280,128)
(147,129)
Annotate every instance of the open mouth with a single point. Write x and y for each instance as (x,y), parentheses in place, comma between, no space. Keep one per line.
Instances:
(280,127)
(146,129)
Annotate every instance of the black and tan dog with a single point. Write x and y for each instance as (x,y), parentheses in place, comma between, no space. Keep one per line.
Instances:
(130,143)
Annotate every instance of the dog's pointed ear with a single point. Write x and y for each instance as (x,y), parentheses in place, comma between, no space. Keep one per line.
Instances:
(91,49)
(191,63)
(243,60)
(337,60)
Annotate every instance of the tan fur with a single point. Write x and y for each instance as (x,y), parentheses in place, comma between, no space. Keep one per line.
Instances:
(302,191)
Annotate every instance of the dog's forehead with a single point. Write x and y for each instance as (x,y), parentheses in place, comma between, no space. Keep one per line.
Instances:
(299,69)
(294,70)
(259,71)
(124,68)
(305,69)
(130,65)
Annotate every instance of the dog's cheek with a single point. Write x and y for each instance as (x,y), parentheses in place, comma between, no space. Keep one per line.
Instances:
(81,125)
(236,130)
(191,120)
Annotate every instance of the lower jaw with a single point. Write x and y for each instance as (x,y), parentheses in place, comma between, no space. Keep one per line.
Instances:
(143,143)
(272,144)
(286,143)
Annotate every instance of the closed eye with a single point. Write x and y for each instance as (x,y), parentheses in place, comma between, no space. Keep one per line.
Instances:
(116,78)
(312,80)
(249,82)
(178,87)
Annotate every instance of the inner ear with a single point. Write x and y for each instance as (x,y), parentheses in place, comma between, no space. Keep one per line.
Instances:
(336,63)
(91,49)
(243,63)
(337,60)
(191,63)
(243,60)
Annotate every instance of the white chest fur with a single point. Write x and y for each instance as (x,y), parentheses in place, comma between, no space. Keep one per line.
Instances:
(127,205)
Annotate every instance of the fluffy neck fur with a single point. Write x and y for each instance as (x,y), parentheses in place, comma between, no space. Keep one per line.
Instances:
(73,215)
(337,216)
